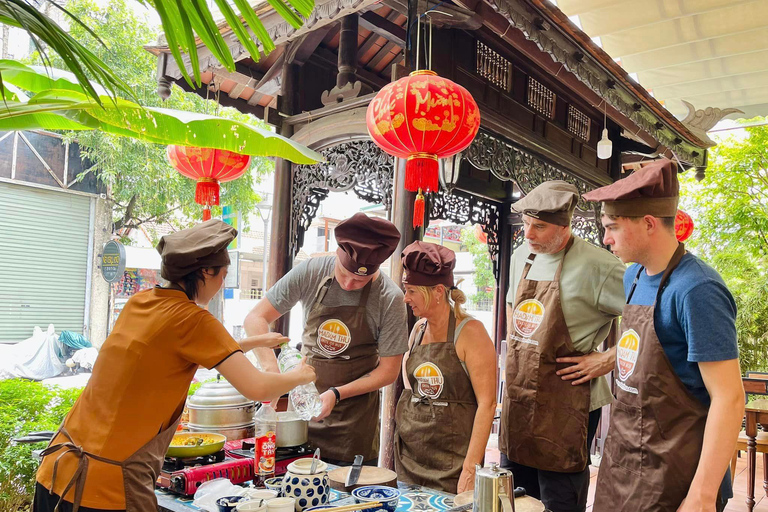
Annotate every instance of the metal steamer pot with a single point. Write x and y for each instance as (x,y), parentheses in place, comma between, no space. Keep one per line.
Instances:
(291,429)
(219,408)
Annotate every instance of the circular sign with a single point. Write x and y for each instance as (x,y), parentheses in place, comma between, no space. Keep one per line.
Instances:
(112,261)
(528,316)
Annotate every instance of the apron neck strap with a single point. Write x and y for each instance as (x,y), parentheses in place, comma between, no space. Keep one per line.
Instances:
(325,285)
(672,265)
(449,335)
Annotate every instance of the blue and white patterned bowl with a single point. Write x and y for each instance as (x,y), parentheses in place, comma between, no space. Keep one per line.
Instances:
(308,490)
(388,496)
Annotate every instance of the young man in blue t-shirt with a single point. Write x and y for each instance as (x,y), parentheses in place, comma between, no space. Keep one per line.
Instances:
(679,396)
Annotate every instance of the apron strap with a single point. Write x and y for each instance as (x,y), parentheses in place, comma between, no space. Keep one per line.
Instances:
(449,335)
(78,478)
(325,284)
(672,265)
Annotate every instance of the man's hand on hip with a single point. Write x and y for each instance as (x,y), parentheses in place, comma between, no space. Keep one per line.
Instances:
(587,367)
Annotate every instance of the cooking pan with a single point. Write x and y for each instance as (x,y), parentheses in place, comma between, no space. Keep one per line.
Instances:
(201,443)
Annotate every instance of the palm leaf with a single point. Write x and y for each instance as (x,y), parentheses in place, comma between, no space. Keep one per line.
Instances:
(71,108)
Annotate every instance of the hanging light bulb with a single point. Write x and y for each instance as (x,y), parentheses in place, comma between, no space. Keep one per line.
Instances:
(604,145)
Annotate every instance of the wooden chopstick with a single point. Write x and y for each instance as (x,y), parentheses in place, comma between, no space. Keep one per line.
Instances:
(355,506)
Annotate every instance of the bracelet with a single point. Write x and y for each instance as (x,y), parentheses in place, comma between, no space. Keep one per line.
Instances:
(336,392)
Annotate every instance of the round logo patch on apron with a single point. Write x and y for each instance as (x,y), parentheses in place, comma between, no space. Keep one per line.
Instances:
(333,336)
(430,380)
(626,353)
(528,316)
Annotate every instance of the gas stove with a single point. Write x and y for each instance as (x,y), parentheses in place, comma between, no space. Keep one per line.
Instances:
(184,476)
(235,462)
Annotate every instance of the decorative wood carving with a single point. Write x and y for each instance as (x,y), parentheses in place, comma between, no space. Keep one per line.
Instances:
(359,166)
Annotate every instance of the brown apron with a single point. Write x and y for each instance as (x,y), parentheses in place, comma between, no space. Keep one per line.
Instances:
(434,418)
(339,344)
(543,418)
(140,470)
(657,425)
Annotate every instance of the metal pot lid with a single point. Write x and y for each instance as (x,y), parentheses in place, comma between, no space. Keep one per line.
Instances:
(219,393)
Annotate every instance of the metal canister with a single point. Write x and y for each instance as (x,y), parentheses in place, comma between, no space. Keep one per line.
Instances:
(493,489)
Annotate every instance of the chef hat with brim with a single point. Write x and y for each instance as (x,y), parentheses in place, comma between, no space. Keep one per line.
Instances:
(552,202)
(426,264)
(651,190)
(365,243)
(201,246)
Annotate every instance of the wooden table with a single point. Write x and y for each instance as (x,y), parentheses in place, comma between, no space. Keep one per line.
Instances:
(756,412)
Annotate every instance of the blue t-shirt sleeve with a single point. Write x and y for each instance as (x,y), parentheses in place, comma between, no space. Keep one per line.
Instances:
(708,317)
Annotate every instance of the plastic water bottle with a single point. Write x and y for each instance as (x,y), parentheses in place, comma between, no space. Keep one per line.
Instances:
(265,444)
(305,399)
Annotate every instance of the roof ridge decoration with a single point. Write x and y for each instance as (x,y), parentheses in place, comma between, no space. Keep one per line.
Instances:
(567,52)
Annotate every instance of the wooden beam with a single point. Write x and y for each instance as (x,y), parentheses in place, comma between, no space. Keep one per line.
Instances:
(371,79)
(300,50)
(371,41)
(380,55)
(255,110)
(383,27)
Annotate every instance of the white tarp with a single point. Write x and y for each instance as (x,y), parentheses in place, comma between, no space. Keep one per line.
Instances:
(36,358)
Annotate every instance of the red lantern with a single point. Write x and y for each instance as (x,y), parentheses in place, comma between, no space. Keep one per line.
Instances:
(208,167)
(683,226)
(421,118)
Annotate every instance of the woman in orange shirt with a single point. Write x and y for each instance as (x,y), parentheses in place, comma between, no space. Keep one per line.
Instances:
(110,447)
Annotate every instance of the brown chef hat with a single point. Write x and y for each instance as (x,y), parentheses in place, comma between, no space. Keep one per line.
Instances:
(651,190)
(204,245)
(365,242)
(552,201)
(426,264)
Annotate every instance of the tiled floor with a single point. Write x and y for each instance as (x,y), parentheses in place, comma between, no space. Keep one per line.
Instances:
(736,504)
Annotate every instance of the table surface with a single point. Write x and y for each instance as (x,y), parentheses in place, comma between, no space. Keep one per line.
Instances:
(414,498)
(759,406)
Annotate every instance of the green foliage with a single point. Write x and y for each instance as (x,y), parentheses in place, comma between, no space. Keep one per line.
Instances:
(483,269)
(26,407)
(730,212)
(143,186)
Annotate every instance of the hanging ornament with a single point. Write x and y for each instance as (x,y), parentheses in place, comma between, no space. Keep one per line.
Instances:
(418,210)
(209,167)
(421,118)
(683,226)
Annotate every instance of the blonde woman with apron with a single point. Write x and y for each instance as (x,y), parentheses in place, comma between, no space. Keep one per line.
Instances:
(443,418)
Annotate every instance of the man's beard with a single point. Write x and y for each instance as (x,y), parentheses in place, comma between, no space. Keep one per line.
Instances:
(551,247)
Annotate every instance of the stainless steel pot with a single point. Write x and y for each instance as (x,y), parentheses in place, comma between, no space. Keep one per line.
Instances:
(219,407)
(291,430)
(494,489)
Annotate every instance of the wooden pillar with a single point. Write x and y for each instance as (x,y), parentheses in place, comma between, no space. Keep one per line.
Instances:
(347,60)
(402,217)
(280,254)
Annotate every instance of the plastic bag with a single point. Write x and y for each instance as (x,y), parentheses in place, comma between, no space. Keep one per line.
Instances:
(35,358)
(210,491)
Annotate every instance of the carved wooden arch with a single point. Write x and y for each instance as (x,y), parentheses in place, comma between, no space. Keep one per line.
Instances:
(353,162)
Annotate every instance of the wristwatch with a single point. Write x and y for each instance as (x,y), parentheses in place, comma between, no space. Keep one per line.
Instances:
(336,392)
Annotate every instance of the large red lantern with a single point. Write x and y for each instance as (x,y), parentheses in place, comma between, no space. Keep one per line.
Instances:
(683,226)
(421,118)
(209,167)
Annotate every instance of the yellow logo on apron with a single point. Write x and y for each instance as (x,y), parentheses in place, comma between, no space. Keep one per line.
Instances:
(528,316)
(626,353)
(430,380)
(333,337)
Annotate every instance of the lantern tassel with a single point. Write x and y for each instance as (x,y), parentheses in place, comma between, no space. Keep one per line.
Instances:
(418,211)
(421,172)
(206,214)
(207,192)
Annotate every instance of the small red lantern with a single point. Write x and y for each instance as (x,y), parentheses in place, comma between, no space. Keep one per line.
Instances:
(421,118)
(208,167)
(683,226)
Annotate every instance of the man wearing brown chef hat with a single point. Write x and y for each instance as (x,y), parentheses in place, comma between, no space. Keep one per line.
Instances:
(355,333)
(564,295)
(679,397)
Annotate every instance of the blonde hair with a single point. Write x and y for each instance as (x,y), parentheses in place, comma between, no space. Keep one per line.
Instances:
(453,296)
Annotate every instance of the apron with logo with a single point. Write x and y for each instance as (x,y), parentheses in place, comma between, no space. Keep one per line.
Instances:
(339,344)
(434,418)
(657,425)
(543,418)
(140,470)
